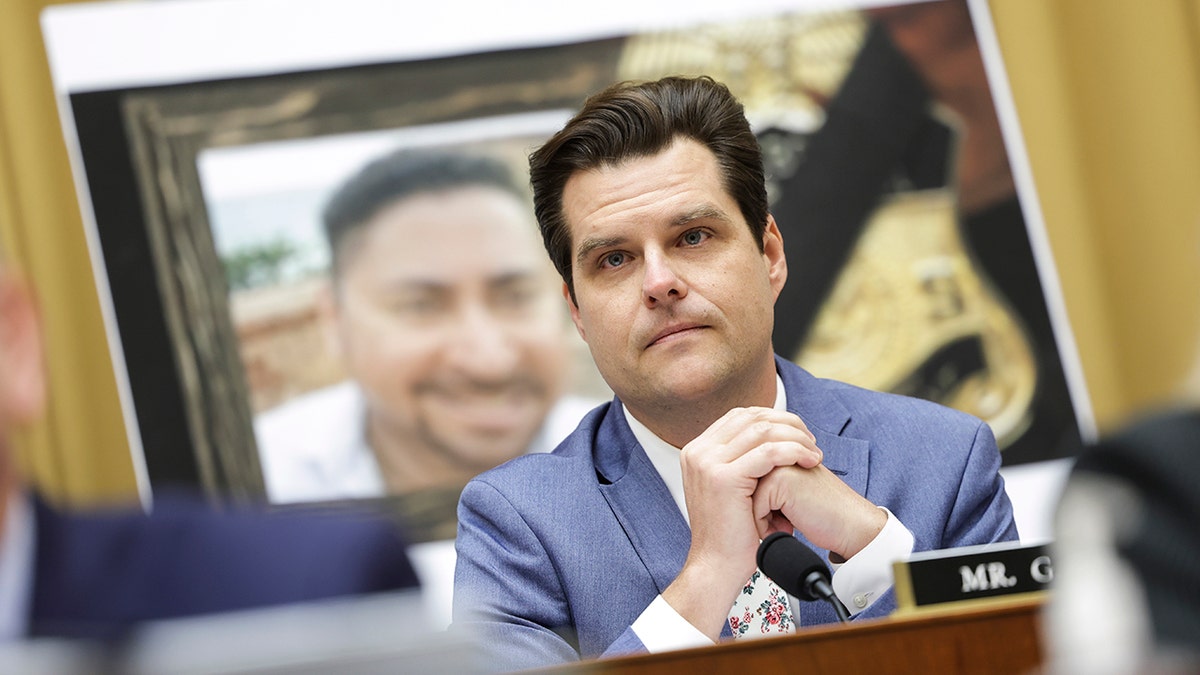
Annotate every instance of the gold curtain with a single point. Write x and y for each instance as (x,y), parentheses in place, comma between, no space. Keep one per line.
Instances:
(1108,95)
(80,451)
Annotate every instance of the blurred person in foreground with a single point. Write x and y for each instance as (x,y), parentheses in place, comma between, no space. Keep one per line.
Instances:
(639,532)
(1126,594)
(99,573)
(445,313)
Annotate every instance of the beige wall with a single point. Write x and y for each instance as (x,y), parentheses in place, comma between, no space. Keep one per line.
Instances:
(1108,94)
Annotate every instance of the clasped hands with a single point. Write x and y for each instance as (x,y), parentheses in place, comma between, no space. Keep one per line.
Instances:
(758,470)
(753,472)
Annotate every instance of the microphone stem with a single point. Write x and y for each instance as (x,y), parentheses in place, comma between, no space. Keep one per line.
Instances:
(825,592)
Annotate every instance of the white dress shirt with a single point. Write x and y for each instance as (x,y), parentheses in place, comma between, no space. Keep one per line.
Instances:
(858,582)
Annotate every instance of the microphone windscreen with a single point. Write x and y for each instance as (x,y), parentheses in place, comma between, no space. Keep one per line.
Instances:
(789,563)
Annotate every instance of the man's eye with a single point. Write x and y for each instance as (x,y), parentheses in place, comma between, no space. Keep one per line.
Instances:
(515,297)
(415,307)
(614,259)
(694,237)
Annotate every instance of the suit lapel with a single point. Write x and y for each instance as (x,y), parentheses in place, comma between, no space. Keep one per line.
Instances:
(642,504)
(640,500)
(827,418)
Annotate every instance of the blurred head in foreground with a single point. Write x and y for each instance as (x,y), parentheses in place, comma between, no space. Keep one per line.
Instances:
(22,378)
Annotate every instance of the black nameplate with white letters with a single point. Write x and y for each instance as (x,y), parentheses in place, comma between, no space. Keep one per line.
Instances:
(970,573)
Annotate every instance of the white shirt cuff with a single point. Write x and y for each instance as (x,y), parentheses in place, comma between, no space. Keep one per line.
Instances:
(860,581)
(662,629)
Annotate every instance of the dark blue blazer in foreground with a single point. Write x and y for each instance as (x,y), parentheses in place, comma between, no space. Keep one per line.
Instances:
(559,553)
(98,573)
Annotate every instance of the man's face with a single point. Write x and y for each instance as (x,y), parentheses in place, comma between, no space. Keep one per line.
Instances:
(673,295)
(447,317)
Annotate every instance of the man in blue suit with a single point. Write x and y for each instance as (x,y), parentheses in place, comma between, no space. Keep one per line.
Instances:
(98,574)
(639,532)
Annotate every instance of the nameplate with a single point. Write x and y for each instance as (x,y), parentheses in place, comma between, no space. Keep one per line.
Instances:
(971,573)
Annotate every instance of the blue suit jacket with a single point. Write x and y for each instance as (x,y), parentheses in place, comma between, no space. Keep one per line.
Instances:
(97,574)
(558,554)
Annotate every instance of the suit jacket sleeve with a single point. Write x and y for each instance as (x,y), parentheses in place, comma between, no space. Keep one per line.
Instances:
(508,592)
(978,513)
(982,512)
(99,573)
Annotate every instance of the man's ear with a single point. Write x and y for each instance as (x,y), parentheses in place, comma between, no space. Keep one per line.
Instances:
(774,256)
(22,374)
(574,311)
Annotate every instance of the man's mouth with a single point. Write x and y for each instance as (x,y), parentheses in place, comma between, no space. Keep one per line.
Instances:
(671,332)
(497,409)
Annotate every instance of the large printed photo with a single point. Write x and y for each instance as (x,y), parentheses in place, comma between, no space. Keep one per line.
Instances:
(309,366)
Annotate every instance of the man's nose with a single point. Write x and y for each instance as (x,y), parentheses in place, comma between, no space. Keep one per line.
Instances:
(660,282)
(482,345)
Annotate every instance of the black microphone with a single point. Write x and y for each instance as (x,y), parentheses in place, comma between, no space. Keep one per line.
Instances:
(798,570)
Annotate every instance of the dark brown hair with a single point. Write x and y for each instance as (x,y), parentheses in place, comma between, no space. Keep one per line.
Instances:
(640,119)
(400,175)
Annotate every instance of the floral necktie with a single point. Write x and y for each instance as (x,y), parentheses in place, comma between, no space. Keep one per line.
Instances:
(761,609)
